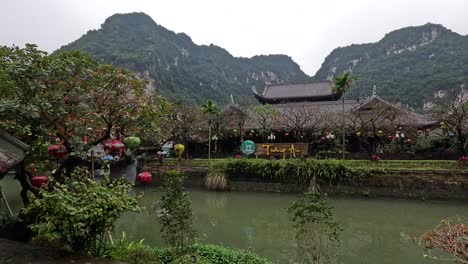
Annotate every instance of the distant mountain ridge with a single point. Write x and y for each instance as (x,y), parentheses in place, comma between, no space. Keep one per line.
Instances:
(178,68)
(409,65)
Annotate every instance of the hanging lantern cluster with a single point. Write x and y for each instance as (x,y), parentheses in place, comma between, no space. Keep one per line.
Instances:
(39,180)
(58,151)
(144,178)
(115,146)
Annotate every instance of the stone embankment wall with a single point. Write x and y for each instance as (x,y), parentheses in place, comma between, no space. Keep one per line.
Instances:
(437,184)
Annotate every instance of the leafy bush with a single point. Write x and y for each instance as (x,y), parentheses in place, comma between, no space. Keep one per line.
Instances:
(428,143)
(134,253)
(290,171)
(214,254)
(316,231)
(175,214)
(81,211)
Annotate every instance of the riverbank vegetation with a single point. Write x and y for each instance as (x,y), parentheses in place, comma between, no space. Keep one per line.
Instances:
(286,171)
(80,212)
(381,164)
(78,215)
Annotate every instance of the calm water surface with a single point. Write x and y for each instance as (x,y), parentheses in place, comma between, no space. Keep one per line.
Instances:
(259,222)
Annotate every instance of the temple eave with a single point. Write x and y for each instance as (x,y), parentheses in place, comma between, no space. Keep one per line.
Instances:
(329,97)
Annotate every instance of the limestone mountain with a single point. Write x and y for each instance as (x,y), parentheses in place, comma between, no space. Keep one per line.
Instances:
(179,69)
(409,65)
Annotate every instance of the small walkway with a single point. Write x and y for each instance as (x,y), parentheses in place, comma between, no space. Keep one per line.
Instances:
(21,253)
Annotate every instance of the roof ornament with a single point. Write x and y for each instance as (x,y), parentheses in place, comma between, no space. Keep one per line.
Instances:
(232,99)
(374,90)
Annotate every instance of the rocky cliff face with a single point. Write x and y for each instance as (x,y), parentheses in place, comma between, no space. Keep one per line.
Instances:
(179,69)
(409,65)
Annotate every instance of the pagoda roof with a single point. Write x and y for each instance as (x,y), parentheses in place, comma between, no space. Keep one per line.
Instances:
(299,92)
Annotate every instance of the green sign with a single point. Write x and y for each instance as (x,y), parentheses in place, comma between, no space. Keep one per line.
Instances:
(248,147)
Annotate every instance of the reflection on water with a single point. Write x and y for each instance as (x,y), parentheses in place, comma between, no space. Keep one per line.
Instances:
(259,222)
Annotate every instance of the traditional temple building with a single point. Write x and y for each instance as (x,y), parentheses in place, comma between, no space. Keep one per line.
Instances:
(318,96)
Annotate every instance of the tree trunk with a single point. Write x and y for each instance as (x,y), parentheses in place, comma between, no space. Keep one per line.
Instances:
(461,139)
(24,178)
(209,141)
(343,127)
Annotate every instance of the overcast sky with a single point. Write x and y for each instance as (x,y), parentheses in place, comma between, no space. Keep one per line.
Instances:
(306,30)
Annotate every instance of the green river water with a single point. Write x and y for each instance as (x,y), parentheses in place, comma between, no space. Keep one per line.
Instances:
(374,229)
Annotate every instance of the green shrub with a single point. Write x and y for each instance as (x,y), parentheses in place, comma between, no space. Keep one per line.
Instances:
(175,215)
(316,231)
(134,253)
(428,143)
(81,211)
(213,254)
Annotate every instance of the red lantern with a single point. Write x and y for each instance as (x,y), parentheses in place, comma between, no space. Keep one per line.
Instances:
(409,141)
(85,139)
(286,134)
(58,151)
(115,146)
(144,178)
(39,181)
(375,157)
(389,137)
(325,133)
(323,139)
